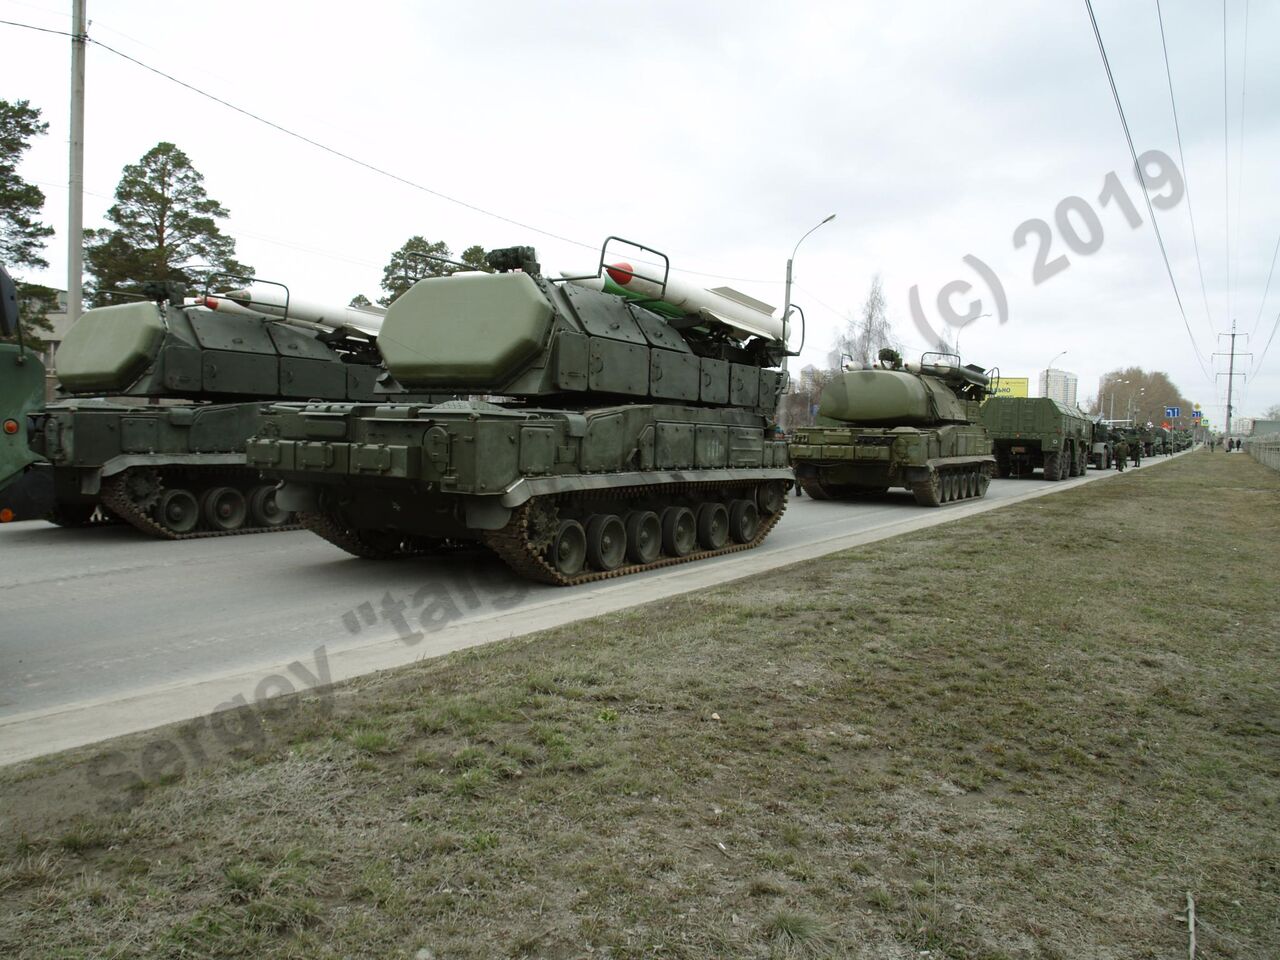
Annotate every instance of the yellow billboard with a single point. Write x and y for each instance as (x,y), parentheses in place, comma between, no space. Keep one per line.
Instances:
(1013,387)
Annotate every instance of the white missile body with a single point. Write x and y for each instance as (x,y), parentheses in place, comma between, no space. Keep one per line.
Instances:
(270,301)
(728,306)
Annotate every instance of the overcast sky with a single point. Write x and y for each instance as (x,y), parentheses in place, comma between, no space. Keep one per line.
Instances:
(718,133)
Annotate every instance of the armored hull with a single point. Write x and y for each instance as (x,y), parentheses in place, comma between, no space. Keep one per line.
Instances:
(625,440)
(897,426)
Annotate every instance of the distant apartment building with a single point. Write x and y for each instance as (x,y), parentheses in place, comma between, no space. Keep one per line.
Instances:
(1059,385)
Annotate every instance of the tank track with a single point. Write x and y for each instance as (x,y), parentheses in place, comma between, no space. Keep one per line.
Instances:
(932,492)
(513,546)
(115,498)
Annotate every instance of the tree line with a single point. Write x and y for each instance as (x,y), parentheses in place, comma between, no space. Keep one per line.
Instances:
(163,225)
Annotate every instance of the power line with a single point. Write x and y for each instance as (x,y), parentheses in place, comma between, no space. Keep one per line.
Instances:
(1267,289)
(1155,226)
(355,160)
(1186,182)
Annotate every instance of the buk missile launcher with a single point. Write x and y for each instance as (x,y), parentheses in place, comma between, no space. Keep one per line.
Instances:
(898,425)
(158,399)
(613,438)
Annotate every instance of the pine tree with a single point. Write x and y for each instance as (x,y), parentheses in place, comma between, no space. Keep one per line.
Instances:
(165,227)
(22,235)
(411,263)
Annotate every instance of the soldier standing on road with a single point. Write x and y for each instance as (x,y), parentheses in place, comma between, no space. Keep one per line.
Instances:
(1135,446)
(1121,453)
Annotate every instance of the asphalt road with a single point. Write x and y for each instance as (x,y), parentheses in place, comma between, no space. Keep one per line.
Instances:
(104,631)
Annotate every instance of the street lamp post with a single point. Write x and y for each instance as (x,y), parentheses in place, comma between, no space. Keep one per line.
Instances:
(786,303)
(960,330)
(1114,385)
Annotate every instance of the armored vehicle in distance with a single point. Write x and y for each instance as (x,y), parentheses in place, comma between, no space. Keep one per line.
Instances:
(1031,432)
(898,425)
(620,434)
(159,397)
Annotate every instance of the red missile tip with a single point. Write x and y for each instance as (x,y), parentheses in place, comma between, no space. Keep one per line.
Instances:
(211,303)
(620,273)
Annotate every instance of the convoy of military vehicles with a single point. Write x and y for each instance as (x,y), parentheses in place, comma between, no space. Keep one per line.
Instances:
(580,427)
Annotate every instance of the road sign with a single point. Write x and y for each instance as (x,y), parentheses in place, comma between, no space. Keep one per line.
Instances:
(1173,412)
(1196,414)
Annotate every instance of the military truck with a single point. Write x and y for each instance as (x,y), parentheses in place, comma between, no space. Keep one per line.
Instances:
(159,398)
(912,425)
(1030,433)
(623,432)
(1102,451)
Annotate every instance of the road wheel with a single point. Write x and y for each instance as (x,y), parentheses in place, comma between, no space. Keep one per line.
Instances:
(679,531)
(713,525)
(744,521)
(984,481)
(606,541)
(770,497)
(263,509)
(178,510)
(1053,466)
(644,536)
(569,548)
(224,508)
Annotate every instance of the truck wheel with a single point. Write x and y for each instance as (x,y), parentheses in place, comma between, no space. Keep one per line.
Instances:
(1053,466)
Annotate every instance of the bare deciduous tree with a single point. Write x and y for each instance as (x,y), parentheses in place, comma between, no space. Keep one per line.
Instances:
(866,334)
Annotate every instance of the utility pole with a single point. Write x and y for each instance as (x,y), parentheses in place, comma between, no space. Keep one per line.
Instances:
(1231,368)
(75,182)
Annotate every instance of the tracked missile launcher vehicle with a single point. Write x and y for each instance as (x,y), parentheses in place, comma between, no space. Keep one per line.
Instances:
(1031,432)
(618,433)
(898,425)
(158,399)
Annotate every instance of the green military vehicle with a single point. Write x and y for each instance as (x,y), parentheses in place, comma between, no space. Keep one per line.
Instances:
(1102,452)
(912,425)
(1036,432)
(21,394)
(158,399)
(620,434)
